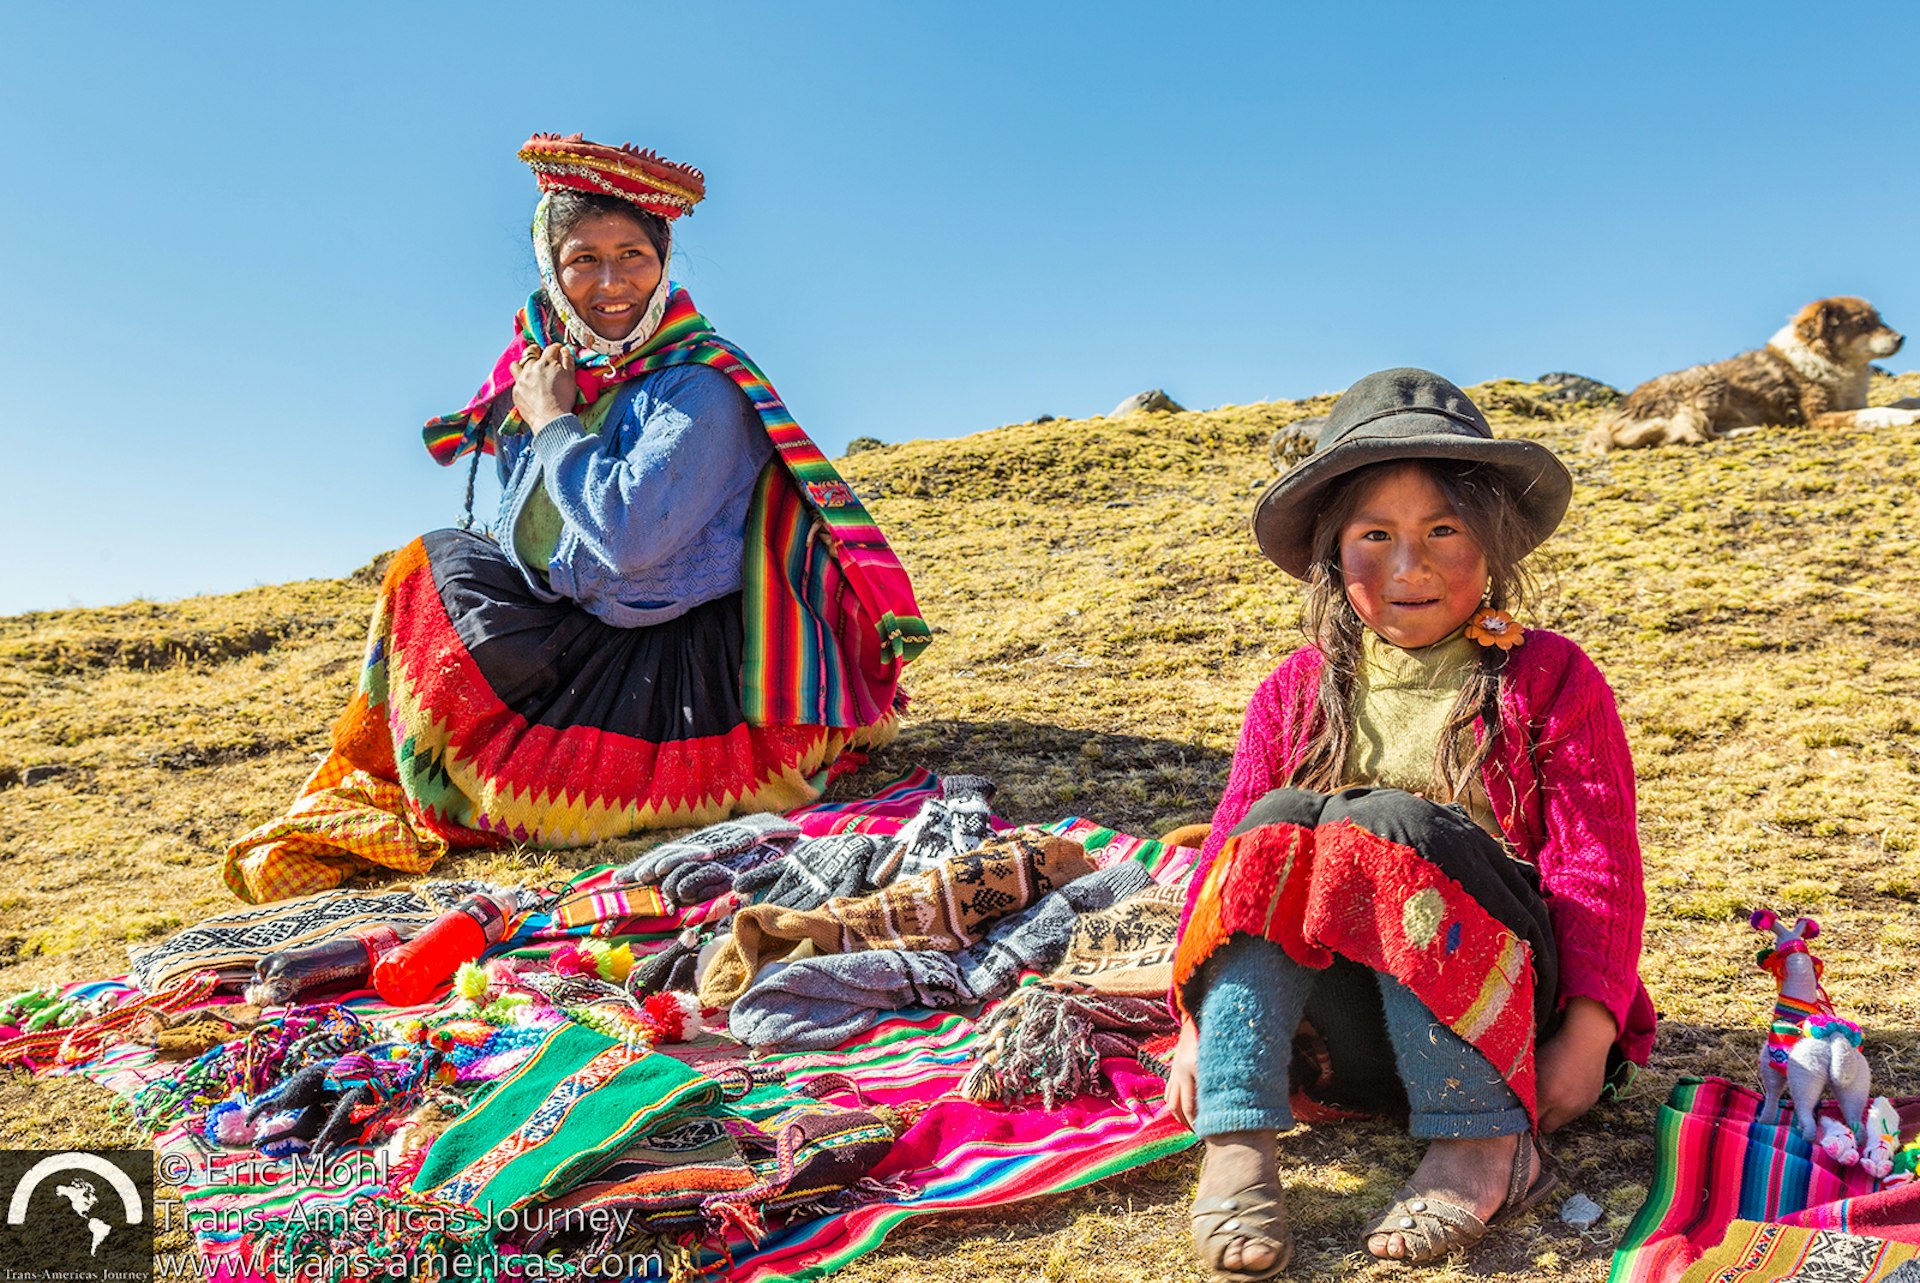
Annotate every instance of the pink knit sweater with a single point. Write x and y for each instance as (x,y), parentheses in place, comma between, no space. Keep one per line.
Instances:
(1561,783)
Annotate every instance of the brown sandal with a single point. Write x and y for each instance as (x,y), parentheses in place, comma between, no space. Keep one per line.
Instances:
(1256,1214)
(1433,1228)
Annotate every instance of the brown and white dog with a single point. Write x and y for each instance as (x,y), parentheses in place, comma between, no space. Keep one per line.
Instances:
(1815,370)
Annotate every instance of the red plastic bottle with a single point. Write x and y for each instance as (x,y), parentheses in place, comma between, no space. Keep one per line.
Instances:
(410,974)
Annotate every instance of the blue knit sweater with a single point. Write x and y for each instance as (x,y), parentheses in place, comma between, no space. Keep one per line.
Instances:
(653,505)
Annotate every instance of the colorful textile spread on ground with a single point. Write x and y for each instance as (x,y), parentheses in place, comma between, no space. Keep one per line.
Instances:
(230,943)
(1167,865)
(785,1166)
(1714,1164)
(1758,1253)
(961,1155)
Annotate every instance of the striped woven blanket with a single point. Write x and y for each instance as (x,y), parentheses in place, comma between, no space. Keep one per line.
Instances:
(1714,1164)
(1761,1253)
(957,1154)
(884,810)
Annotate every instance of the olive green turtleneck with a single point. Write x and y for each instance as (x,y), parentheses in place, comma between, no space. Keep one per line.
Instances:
(1400,705)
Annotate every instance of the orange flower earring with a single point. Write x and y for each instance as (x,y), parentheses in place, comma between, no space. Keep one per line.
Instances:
(1491,627)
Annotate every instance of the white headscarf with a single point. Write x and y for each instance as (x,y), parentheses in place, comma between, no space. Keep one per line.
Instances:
(577,329)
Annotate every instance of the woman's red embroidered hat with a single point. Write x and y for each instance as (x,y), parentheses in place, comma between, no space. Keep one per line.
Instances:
(645,178)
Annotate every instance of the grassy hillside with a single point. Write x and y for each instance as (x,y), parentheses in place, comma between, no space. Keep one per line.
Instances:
(1101,618)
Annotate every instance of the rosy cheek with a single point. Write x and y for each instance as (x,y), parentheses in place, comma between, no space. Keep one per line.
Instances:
(1360,562)
(1362,574)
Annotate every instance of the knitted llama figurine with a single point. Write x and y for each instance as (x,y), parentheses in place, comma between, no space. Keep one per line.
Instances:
(1808,1048)
(1882,1143)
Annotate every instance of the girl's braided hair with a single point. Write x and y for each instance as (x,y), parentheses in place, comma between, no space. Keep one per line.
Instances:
(1482,497)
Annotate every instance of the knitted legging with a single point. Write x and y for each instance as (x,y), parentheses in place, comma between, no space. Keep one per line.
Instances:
(1386,1051)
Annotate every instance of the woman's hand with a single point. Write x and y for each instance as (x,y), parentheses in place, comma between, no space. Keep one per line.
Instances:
(1571,1067)
(543,386)
(1183,1077)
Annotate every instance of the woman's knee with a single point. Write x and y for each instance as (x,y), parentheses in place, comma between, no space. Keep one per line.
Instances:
(1283,806)
(1403,817)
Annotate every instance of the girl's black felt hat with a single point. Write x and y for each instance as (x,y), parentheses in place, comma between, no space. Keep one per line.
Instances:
(1392,416)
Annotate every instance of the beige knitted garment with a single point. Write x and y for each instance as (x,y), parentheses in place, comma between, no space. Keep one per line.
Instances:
(947,907)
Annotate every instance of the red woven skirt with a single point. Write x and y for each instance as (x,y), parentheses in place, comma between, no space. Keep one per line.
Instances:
(1401,886)
(486,717)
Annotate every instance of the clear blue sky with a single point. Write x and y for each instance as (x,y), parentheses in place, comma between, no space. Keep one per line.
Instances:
(252,247)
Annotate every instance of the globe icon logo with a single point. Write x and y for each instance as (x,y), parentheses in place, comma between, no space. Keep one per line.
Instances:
(82,1194)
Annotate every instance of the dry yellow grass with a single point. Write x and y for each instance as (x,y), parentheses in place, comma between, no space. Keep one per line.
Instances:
(1102,617)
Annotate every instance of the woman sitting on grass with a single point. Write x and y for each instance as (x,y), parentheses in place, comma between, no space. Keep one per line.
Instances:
(683,611)
(1426,850)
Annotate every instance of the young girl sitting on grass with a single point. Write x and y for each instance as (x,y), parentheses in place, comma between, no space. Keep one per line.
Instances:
(1426,850)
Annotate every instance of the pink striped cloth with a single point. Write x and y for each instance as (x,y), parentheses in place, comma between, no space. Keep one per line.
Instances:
(1715,1163)
(883,811)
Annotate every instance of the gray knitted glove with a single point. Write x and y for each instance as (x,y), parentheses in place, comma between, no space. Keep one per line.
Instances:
(729,837)
(697,883)
(814,1003)
(817,871)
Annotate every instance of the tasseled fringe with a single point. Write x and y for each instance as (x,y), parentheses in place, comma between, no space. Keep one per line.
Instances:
(679,1257)
(677,1254)
(1048,1042)
(406,1149)
(71,1045)
(730,1212)
(869,1189)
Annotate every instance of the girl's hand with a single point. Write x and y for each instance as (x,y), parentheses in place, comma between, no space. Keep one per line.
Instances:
(1571,1067)
(1183,1077)
(543,385)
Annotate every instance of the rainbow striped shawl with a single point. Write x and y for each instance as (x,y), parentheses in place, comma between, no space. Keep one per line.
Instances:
(826,635)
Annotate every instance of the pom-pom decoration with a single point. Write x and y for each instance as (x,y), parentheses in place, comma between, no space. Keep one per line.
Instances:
(572,960)
(615,963)
(226,1124)
(471,984)
(671,1017)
